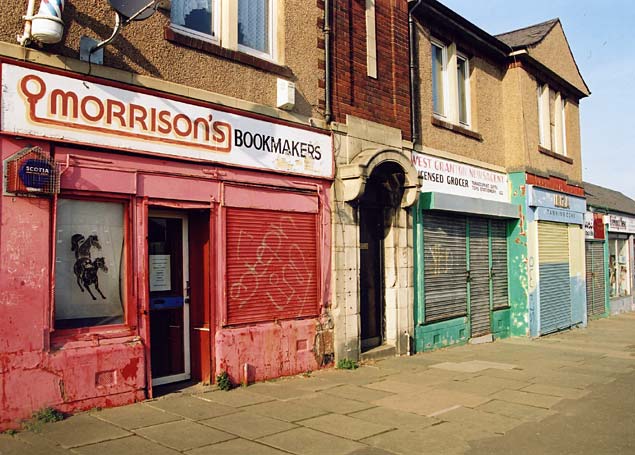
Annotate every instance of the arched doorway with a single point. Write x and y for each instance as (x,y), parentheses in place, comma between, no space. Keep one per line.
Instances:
(378,208)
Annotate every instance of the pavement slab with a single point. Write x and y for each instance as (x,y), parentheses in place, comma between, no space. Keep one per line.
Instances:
(248,425)
(516,374)
(346,427)
(428,441)
(483,385)
(14,445)
(492,423)
(530,399)
(135,416)
(393,385)
(431,403)
(331,403)
(556,391)
(393,417)
(236,447)
(132,445)
(305,441)
(286,410)
(516,410)
(279,390)
(80,430)
(358,393)
(183,435)
(190,407)
(236,398)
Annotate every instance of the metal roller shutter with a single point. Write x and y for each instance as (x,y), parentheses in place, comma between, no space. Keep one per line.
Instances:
(554,281)
(272,265)
(445,267)
(595,278)
(498,233)
(479,277)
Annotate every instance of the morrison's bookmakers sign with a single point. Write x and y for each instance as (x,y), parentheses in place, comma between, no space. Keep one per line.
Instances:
(41,104)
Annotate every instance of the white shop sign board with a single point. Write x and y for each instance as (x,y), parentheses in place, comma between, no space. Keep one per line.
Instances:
(451,177)
(42,104)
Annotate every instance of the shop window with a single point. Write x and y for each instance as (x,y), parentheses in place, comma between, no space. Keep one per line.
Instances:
(450,84)
(244,25)
(551,120)
(619,268)
(89,264)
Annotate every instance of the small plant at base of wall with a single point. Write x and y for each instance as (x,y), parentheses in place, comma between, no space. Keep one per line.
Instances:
(346,364)
(223,382)
(41,417)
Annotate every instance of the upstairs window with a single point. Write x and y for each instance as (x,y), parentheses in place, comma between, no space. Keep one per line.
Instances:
(439,75)
(551,120)
(195,17)
(254,25)
(450,84)
(463,89)
(244,25)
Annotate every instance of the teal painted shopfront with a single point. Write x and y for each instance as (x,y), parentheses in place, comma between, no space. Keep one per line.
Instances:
(461,254)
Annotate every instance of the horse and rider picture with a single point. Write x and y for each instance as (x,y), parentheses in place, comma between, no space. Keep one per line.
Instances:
(86,269)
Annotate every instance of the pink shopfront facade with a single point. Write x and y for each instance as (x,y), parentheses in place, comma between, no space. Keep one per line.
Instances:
(185,240)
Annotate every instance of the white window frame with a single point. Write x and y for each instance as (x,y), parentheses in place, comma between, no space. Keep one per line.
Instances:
(466,88)
(559,145)
(272,25)
(444,79)
(225,29)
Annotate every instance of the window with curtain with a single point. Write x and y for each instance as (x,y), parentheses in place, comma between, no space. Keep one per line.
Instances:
(254,25)
(89,269)
(194,16)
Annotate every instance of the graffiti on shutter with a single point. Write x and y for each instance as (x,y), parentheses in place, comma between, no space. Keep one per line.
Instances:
(272,265)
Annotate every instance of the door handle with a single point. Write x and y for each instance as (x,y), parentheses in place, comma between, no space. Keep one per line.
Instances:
(202,329)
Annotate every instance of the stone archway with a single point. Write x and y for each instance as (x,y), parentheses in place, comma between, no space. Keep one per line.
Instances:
(374,294)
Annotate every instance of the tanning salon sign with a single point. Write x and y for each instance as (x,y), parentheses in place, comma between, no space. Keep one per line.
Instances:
(450,177)
(37,103)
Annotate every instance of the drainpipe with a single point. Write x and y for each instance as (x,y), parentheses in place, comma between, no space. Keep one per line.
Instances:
(328,114)
(413,73)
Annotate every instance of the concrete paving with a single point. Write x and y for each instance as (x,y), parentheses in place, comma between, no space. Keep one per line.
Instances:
(572,392)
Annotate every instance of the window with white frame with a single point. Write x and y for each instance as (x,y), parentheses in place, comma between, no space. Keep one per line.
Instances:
(552,120)
(439,76)
(463,89)
(450,84)
(244,25)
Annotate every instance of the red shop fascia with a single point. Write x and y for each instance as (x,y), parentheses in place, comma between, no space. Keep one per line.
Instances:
(186,240)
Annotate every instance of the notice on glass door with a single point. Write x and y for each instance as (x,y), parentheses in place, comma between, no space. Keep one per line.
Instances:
(160,272)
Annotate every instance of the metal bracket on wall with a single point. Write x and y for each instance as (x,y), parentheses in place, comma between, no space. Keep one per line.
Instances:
(86,45)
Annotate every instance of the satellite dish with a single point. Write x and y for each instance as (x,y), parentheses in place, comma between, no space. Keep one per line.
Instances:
(126,11)
(134,10)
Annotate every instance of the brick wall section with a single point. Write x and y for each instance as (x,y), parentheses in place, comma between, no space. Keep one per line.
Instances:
(383,100)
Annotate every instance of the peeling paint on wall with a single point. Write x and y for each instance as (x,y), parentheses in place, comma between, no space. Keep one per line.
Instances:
(519,261)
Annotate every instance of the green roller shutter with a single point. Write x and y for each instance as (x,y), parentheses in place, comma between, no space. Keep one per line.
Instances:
(445,266)
(479,277)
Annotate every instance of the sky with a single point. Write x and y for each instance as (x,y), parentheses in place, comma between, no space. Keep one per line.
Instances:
(601,35)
